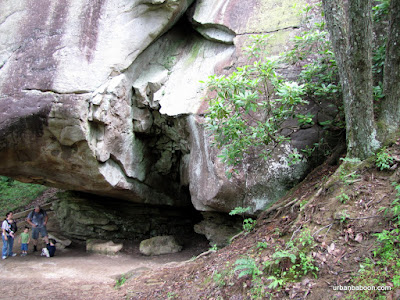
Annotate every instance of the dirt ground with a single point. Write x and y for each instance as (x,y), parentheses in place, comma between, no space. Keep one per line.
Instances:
(75,274)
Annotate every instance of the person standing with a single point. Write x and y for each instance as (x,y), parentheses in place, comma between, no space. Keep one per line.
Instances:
(38,220)
(7,236)
(24,239)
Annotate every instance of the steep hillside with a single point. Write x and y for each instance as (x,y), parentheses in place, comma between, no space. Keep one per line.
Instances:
(339,227)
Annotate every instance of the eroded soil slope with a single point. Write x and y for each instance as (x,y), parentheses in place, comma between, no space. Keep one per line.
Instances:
(335,212)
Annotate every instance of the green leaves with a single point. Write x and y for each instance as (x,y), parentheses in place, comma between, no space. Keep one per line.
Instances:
(279,256)
(239,211)
(15,195)
(249,223)
(395,209)
(248,267)
(383,159)
(120,282)
(381,9)
(275,282)
(248,107)
(291,94)
(295,260)
(319,73)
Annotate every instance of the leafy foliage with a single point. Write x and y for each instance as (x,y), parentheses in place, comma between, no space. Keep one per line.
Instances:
(285,265)
(248,107)
(319,71)
(383,159)
(396,204)
(15,195)
(343,197)
(296,258)
(312,51)
(213,248)
(275,282)
(248,223)
(239,211)
(381,9)
(248,266)
(219,279)
(120,282)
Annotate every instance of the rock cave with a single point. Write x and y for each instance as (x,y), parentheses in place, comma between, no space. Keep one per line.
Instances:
(104,98)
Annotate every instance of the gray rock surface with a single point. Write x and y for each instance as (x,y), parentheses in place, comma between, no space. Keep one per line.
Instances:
(218,228)
(61,241)
(66,113)
(105,97)
(85,217)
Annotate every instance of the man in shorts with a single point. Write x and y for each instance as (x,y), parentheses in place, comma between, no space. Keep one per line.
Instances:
(38,220)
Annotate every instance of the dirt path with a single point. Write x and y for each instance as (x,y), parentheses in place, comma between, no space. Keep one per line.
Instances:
(75,274)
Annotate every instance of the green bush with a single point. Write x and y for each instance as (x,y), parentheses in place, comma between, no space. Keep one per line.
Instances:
(248,266)
(383,159)
(248,223)
(247,109)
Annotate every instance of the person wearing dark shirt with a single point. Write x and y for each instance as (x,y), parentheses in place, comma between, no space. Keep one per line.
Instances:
(50,249)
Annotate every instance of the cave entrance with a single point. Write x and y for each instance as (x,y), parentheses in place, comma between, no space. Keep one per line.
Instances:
(85,216)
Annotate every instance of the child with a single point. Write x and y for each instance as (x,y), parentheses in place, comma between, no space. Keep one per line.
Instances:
(50,249)
(24,240)
(10,222)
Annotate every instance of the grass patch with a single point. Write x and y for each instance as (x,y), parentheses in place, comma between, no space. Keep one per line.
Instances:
(119,282)
(15,195)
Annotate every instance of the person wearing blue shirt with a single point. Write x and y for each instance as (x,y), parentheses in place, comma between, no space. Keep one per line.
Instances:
(38,220)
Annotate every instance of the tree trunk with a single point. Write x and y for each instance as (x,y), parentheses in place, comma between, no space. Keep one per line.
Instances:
(390,108)
(351,35)
(338,27)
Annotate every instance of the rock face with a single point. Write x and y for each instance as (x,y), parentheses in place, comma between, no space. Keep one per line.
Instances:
(67,117)
(218,228)
(62,242)
(83,217)
(105,97)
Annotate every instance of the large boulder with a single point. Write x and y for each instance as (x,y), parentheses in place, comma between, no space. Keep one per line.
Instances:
(103,247)
(66,113)
(159,245)
(105,97)
(61,241)
(257,184)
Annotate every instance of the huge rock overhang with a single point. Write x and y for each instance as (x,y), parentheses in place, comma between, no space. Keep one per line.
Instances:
(105,97)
